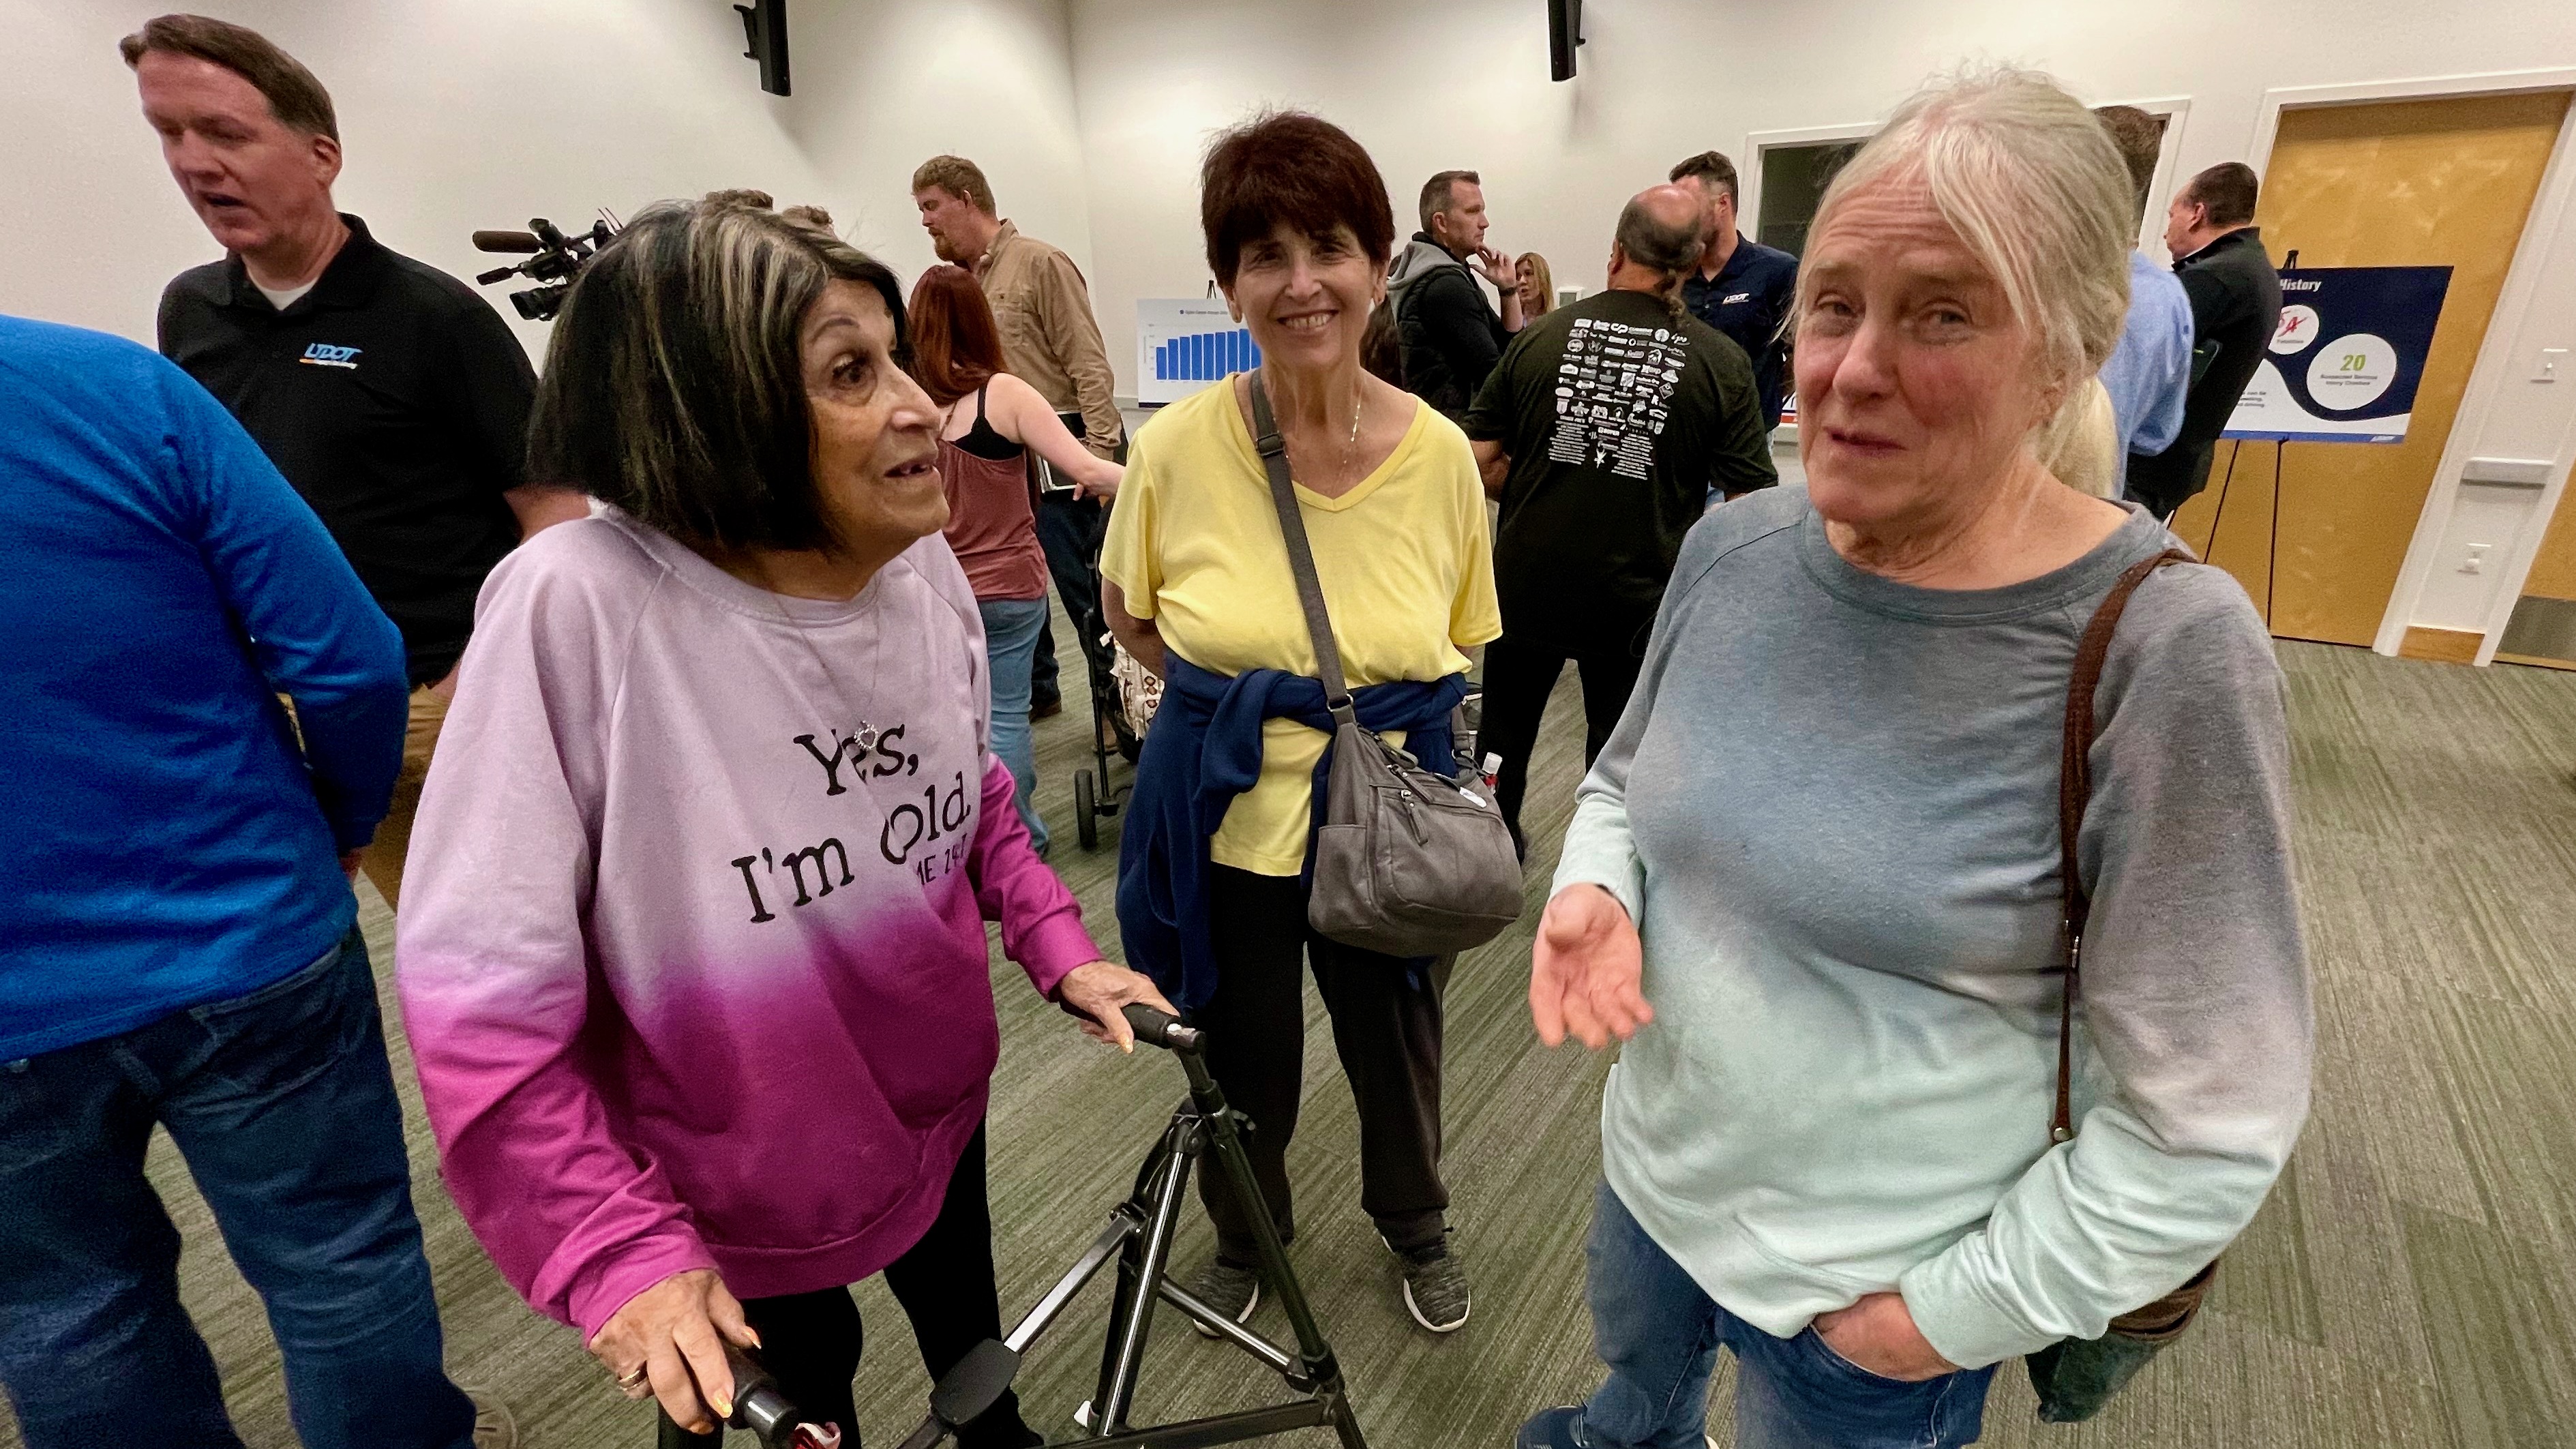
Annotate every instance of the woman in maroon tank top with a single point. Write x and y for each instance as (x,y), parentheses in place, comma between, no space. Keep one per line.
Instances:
(994,422)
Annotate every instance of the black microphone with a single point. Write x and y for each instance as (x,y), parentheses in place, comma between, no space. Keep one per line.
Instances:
(507,241)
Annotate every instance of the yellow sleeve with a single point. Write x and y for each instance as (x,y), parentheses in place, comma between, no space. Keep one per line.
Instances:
(1130,553)
(1475,616)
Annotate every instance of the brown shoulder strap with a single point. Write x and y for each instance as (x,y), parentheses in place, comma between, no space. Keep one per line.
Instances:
(2074,791)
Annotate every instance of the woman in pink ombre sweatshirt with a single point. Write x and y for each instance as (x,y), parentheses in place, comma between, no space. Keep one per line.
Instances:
(692,944)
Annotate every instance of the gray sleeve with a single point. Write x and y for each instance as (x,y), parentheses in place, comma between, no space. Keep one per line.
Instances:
(2194,996)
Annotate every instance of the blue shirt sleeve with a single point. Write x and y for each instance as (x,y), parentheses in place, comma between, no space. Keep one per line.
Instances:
(2161,422)
(315,633)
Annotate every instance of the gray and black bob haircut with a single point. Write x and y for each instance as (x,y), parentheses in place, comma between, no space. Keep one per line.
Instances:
(674,386)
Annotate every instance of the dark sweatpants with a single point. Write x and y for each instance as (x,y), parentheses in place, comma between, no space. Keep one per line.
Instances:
(1520,673)
(811,1341)
(1386,1029)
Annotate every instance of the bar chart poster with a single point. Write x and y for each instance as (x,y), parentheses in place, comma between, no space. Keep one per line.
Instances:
(1183,344)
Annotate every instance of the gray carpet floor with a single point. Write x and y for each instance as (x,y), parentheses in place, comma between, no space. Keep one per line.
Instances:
(2408,1284)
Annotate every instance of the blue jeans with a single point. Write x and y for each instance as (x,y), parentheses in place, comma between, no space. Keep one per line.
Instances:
(283,1106)
(1010,636)
(1659,1334)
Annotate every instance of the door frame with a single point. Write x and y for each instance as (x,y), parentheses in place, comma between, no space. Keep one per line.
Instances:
(2168,178)
(2553,207)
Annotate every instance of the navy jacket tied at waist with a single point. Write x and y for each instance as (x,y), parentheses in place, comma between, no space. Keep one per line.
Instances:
(1204,750)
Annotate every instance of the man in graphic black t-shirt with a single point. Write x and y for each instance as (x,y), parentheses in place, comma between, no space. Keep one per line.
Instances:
(1603,429)
(392,397)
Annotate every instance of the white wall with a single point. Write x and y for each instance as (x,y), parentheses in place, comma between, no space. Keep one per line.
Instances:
(1430,84)
(1090,117)
(462,114)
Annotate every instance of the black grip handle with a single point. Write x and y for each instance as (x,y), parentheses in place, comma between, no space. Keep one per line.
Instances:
(1159,1028)
(758,1405)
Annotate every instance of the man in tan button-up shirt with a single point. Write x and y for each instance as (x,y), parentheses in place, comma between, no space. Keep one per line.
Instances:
(1049,341)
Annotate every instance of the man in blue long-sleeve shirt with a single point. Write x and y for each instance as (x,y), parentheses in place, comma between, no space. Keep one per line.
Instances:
(177,930)
(2149,373)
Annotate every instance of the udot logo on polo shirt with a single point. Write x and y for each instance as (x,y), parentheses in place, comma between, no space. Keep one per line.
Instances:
(323,354)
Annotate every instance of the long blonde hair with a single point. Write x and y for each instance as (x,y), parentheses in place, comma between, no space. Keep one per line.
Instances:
(1545,279)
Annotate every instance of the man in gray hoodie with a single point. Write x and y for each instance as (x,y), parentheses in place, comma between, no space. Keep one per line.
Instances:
(1450,334)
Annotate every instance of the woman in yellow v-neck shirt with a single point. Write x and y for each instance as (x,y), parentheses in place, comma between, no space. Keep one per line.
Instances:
(1298,233)
(1403,557)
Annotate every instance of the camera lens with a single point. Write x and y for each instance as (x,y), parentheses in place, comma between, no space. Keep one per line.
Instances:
(540,304)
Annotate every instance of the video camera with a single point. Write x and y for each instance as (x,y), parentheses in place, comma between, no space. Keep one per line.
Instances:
(556,258)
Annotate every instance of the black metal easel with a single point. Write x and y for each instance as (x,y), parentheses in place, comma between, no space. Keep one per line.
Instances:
(1139,1236)
(2272,564)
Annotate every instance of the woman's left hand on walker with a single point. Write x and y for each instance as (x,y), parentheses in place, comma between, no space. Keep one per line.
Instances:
(1099,989)
(1878,1334)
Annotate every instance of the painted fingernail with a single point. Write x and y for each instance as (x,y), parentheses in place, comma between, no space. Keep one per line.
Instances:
(723,1407)
(755,1336)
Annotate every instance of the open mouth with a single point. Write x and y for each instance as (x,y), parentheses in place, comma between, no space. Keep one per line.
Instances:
(916,468)
(219,201)
(1308,321)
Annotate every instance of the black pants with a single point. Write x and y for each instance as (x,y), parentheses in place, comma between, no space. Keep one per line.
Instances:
(1520,673)
(811,1341)
(1069,532)
(1386,1029)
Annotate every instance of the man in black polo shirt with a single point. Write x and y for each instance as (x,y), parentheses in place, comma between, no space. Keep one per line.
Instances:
(391,396)
(1741,287)
(1603,429)
(2235,305)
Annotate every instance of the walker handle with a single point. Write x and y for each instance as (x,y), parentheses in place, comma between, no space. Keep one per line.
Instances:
(1156,1028)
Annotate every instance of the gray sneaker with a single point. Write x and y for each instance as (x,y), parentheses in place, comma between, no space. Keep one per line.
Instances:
(1230,1290)
(1435,1287)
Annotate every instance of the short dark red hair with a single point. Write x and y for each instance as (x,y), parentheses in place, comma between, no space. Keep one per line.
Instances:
(956,345)
(1292,167)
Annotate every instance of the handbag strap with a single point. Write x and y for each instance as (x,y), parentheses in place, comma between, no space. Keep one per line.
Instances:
(2074,792)
(1273,448)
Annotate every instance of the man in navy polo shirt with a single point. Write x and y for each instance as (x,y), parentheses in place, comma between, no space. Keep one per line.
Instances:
(391,396)
(1742,288)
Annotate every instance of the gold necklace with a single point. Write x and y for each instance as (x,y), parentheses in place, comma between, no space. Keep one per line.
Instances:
(1350,446)
(1351,450)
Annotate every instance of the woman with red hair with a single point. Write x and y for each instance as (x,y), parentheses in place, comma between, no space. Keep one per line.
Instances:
(994,421)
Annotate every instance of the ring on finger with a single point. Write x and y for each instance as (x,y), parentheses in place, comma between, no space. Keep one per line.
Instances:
(632,1379)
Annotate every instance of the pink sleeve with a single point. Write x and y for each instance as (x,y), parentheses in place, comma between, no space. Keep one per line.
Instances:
(1041,925)
(494,975)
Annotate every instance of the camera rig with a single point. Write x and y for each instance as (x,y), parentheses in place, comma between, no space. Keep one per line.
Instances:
(554,259)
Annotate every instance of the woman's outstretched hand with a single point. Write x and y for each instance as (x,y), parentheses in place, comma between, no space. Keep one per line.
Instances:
(670,1332)
(1586,970)
(1099,989)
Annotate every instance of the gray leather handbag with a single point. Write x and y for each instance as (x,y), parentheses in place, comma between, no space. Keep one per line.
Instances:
(1407,862)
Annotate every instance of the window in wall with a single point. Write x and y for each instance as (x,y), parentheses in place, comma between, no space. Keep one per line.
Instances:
(1793,181)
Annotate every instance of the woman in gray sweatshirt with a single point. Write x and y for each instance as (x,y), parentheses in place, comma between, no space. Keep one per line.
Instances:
(1814,882)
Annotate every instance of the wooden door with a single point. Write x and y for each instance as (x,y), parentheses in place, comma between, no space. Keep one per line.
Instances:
(2318,541)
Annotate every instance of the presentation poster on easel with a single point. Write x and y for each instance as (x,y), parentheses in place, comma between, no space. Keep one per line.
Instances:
(2346,356)
(1185,343)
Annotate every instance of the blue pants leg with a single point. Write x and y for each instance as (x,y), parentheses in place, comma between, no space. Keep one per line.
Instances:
(1011,628)
(283,1105)
(1654,1329)
(1658,1332)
